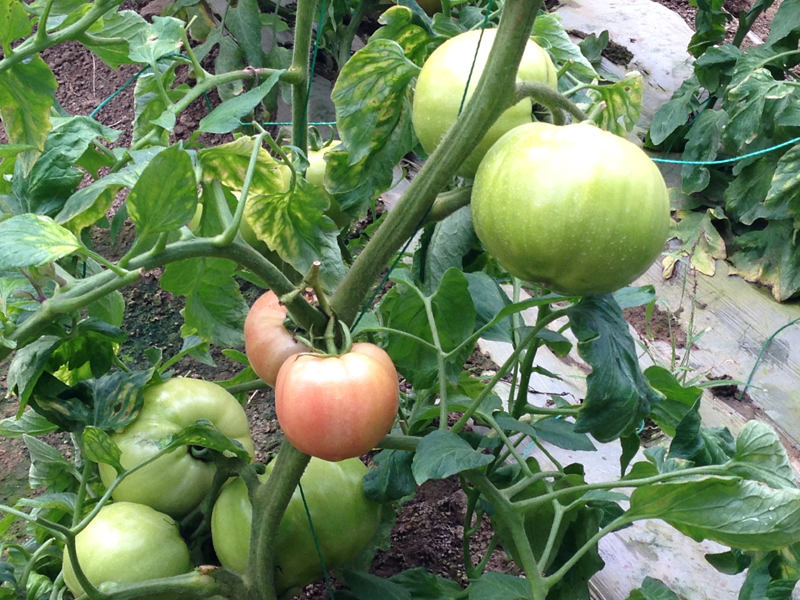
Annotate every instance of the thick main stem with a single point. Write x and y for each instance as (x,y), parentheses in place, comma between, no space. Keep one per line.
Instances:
(270,500)
(491,97)
(300,89)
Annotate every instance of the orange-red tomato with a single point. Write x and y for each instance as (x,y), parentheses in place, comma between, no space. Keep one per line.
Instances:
(267,342)
(337,407)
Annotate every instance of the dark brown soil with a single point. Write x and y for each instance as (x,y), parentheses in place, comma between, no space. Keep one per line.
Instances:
(663,325)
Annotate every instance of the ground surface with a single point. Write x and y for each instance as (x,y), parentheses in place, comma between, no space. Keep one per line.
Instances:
(428,529)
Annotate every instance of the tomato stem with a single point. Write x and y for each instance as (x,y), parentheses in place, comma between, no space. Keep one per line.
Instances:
(447,203)
(551,99)
(302,48)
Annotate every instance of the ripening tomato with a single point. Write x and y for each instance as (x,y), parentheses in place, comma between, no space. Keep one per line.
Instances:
(267,342)
(575,208)
(337,407)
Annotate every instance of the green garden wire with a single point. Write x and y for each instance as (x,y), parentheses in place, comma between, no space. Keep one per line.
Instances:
(316,542)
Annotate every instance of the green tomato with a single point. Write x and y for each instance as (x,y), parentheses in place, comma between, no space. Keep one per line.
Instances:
(344,521)
(440,87)
(575,208)
(177,482)
(128,543)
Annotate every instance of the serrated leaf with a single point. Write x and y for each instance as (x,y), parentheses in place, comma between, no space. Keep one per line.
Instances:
(770,257)
(26,96)
(157,40)
(204,433)
(702,144)
(48,468)
(244,21)
(739,513)
(228,116)
(293,224)
(453,313)
(165,195)
(676,112)
(215,309)
(550,34)
(30,423)
(392,478)
(618,396)
(623,103)
(701,241)
(27,365)
(100,448)
(373,83)
(442,453)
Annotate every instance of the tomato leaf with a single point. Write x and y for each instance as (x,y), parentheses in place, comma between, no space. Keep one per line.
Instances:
(677,401)
(770,257)
(618,396)
(739,513)
(785,22)
(702,144)
(499,586)
(63,501)
(122,25)
(26,96)
(27,366)
(215,309)
(157,40)
(676,112)
(15,23)
(30,423)
(398,25)
(100,448)
(32,241)
(149,105)
(442,453)
(403,308)
(561,433)
(550,34)
(701,241)
(244,22)
(228,116)
(365,586)
(204,433)
(427,586)
(761,456)
(118,398)
(700,445)
(449,241)
(48,468)
(293,224)
(165,196)
(623,103)
(489,300)
(653,589)
(229,163)
(745,195)
(392,478)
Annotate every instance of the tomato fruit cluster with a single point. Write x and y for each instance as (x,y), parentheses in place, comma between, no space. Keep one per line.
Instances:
(575,208)
(344,521)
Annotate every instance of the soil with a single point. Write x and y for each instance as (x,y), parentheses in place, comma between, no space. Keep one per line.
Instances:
(663,326)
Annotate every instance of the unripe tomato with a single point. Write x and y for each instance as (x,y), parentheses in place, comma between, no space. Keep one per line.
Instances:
(177,482)
(337,407)
(128,543)
(267,342)
(440,87)
(575,208)
(344,521)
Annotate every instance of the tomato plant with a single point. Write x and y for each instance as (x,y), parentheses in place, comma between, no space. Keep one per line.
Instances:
(337,407)
(127,543)
(575,208)
(344,522)
(446,265)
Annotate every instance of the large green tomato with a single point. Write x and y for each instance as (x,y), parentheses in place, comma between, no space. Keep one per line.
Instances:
(344,521)
(440,87)
(128,543)
(575,208)
(177,482)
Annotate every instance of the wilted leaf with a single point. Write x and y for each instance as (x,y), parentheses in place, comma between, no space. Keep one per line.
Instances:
(702,243)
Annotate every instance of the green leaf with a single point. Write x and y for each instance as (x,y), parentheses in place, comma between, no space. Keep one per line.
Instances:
(677,400)
(623,103)
(745,195)
(549,33)
(215,309)
(63,501)
(372,89)
(204,433)
(118,398)
(365,586)
(157,40)
(676,112)
(770,257)
(26,95)
(452,238)
(743,514)
(11,150)
(453,313)
(499,586)
(228,116)
(392,479)
(709,26)
(30,423)
(100,448)
(561,433)
(700,445)
(27,365)
(731,562)
(229,58)
(124,25)
(148,102)
(48,468)
(293,224)
(785,187)
(442,453)
(244,22)
(653,589)
(746,101)
(165,196)
(701,240)
(785,22)
(228,163)
(399,26)
(761,456)
(426,586)
(15,23)
(702,144)
(489,300)
(92,341)
(618,396)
